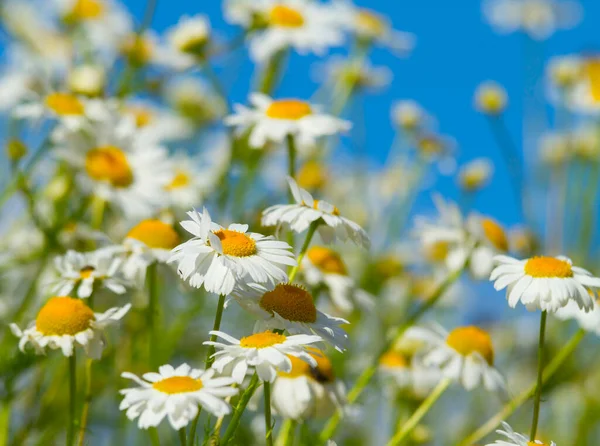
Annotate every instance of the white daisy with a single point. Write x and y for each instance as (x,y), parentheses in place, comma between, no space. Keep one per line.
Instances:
(186,43)
(290,307)
(589,321)
(308,391)
(408,115)
(272,120)
(344,72)
(86,270)
(545,283)
(219,258)
(157,125)
(323,266)
(465,355)
(267,352)
(116,164)
(516,439)
(307,210)
(64,322)
(476,174)
(87,80)
(175,393)
(584,96)
(490,98)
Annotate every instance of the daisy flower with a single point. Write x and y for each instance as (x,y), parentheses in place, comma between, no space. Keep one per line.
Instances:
(64,322)
(308,390)
(219,258)
(175,393)
(516,439)
(267,352)
(589,321)
(186,44)
(408,115)
(85,270)
(290,307)
(307,210)
(156,125)
(87,80)
(272,120)
(490,98)
(323,266)
(584,97)
(476,174)
(545,283)
(465,355)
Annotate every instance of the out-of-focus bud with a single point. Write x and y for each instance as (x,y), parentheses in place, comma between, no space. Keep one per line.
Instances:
(476,174)
(195,100)
(586,143)
(565,71)
(191,36)
(138,49)
(431,146)
(15,150)
(87,80)
(523,241)
(490,98)
(58,187)
(555,149)
(312,175)
(408,115)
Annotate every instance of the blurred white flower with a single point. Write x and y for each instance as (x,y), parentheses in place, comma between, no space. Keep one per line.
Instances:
(589,321)
(516,439)
(476,174)
(186,43)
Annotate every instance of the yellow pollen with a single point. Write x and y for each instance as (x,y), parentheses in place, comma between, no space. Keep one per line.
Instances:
(311,176)
(64,316)
(290,109)
(291,302)
(322,373)
(286,17)
(593,72)
(155,234)
(315,205)
(86,272)
(181,179)
(86,10)
(142,116)
(371,22)
(470,339)
(393,359)
(64,104)
(533,443)
(548,267)
(438,251)
(262,340)
(109,163)
(178,384)
(327,260)
(495,234)
(236,243)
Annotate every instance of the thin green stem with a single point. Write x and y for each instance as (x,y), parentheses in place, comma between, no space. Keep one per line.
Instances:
(152,314)
(268,422)
(270,75)
(153,432)
(416,417)
(540,383)
(309,235)
(98,205)
(72,399)
(182,438)
(86,402)
(286,433)
(5,421)
(239,410)
(559,359)
(291,144)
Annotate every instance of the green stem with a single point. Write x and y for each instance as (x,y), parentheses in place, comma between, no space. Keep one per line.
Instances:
(98,205)
(153,432)
(239,410)
(539,385)
(556,363)
(309,235)
(416,417)
(152,313)
(291,144)
(182,438)
(268,422)
(72,398)
(271,72)
(286,433)
(4,422)
(86,402)
(589,210)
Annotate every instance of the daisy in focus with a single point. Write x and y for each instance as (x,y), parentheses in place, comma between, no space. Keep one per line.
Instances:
(175,393)
(220,258)
(290,307)
(65,322)
(544,283)
(465,355)
(515,439)
(299,216)
(84,271)
(272,120)
(266,352)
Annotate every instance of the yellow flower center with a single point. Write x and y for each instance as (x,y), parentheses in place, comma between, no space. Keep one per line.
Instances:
(86,10)
(495,234)
(533,443)
(491,100)
(315,205)
(291,109)
(155,234)
(326,260)
(393,359)
(64,104)
(262,340)
(64,316)
(178,384)
(430,145)
(236,243)
(388,266)
(137,48)
(467,340)
(286,17)
(86,272)
(593,72)
(437,251)
(548,267)
(311,175)
(109,163)
(181,179)
(291,302)
(142,116)
(322,373)
(371,22)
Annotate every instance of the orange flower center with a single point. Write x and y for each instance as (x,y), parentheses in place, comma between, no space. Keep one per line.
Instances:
(315,205)
(291,109)
(181,179)
(548,267)
(593,72)
(322,373)
(155,234)
(178,384)
(86,10)
(109,163)
(533,443)
(64,316)
(236,243)
(64,104)
(495,234)
(393,359)
(467,340)
(326,260)
(291,302)
(262,340)
(285,17)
